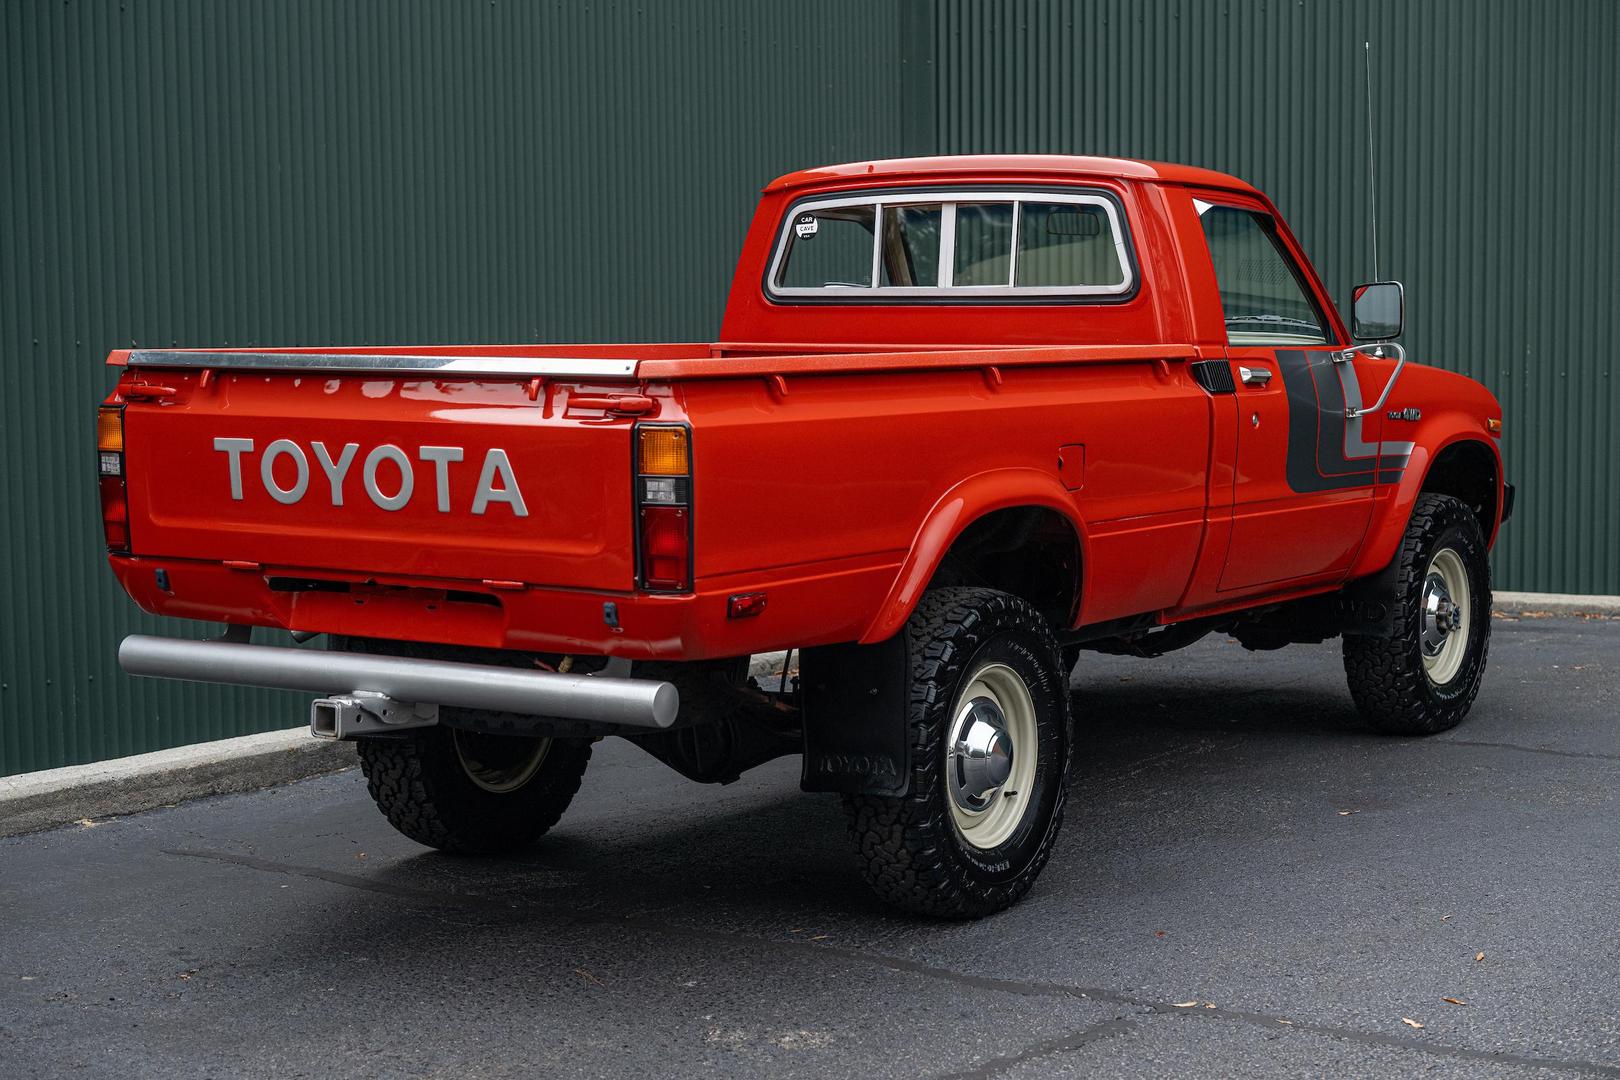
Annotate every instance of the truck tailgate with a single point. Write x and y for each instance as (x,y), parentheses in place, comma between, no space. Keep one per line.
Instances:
(442,476)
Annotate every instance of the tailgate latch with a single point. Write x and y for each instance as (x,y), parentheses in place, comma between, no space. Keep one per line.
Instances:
(145,391)
(615,404)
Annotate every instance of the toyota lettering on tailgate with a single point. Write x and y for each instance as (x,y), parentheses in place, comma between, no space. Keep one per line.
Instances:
(497,483)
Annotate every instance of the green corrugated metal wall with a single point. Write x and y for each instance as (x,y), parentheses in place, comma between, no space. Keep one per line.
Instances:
(314,171)
(306,171)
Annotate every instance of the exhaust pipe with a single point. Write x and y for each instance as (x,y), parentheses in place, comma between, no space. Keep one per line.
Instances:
(640,703)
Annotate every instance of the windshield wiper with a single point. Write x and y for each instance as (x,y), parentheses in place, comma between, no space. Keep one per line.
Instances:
(1274,320)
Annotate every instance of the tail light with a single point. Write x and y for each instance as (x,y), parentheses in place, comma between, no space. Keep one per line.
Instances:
(663,507)
(114,495)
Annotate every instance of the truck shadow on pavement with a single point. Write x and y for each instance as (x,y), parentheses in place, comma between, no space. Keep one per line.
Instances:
(783,853)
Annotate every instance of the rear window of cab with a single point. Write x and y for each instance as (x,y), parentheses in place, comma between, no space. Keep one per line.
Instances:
(942,246)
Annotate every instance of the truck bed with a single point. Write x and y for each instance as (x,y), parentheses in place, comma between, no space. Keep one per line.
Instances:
(524,552)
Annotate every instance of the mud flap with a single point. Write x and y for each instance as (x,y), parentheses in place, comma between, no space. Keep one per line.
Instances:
(1371,606)
(854,701)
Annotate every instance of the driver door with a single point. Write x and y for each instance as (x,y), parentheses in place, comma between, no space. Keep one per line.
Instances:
(1303,488)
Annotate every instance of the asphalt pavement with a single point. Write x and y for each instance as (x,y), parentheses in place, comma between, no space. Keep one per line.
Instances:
(1246,885)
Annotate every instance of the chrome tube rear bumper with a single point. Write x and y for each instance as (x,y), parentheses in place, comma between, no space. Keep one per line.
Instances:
(639,703)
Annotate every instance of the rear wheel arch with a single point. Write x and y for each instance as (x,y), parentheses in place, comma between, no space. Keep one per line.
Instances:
(1029,551)
(970,532)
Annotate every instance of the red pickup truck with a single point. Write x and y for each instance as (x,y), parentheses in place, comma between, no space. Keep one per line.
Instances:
(968,417)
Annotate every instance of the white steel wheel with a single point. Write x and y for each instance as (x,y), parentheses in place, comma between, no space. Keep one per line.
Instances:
(991,754)
(1447,609)
(500,763)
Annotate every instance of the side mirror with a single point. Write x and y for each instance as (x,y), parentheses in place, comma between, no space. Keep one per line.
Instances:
(1378,311)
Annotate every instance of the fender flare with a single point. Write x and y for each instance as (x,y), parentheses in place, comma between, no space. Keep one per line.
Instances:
(1439,433)
(959,507)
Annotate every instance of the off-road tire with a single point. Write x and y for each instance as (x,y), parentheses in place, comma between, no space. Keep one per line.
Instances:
(911,851)
(1392,689)
(420,784)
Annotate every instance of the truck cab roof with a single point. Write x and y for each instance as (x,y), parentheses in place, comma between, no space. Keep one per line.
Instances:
(1008,166)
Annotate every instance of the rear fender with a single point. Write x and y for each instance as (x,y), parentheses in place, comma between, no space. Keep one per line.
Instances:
(958,508)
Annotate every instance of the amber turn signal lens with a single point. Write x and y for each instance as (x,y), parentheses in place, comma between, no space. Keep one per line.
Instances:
(1494,426)
(110,429)
(662,451)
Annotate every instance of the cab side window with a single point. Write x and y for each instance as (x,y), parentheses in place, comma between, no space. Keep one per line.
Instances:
(1262,294)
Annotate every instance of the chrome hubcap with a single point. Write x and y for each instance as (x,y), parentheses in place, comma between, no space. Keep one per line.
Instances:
(1446,612)
(991,753)
(1440,617)
(981,754)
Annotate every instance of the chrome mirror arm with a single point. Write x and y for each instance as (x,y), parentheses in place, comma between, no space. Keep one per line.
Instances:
(1377,348)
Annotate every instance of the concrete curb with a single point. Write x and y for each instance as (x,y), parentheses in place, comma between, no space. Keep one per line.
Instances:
(1556,604)
(43,800)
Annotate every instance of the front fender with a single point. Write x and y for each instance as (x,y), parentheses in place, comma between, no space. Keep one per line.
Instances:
(1437,432)
(983,493)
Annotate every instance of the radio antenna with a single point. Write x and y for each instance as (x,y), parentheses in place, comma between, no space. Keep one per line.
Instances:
(1372,172)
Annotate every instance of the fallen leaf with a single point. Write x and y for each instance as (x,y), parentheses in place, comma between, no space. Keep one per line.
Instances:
(188,973)
(1409,1022)
(1183,1004)
(1454,1001)
(1478,957)
(1209,1004)
(1158,933)
(87,823)
(1443,918)
(587,976)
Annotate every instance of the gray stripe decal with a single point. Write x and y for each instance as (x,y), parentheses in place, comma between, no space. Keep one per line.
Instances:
(1354,445)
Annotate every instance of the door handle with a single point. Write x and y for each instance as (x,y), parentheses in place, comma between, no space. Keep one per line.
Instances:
(1254,376)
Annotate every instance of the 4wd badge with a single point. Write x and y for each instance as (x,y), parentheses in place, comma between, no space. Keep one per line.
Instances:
(806,226)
